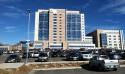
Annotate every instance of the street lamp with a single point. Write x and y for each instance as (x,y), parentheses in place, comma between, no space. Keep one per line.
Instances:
(28,32)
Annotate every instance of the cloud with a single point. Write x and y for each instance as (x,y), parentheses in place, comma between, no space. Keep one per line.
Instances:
(112,4)
(11,14)
(12,11)
(10,0)
(87,4)
(120,10)
(10,7)
(111,21)
(10,29)
(116,6)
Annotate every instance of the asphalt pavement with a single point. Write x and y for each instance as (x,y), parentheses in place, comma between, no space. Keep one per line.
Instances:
(78,71)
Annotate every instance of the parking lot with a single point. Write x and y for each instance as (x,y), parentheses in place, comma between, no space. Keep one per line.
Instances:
(4,56)
(78,71)
(75,53)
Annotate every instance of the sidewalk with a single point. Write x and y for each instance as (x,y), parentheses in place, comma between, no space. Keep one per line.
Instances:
(10,65)
(17,65)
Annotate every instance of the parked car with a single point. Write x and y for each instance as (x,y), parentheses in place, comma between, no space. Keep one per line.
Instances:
(24,55)
(73,56)
(122,54)
(55,53)
(14,58)
(86,55)
(103,62)
(1,51)
(62,53)
(114,56)
(35,55)
(43,57)
(10,52)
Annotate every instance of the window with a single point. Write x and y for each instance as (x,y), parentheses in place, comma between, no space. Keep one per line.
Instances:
(54,36)
(54,28)
(115,44)
(54,19)
(109,41)
(54,25)
(110,44)
(54,39)
(109,35)
(55,14)
(54,33)
(55,22)
(54,42)
(73,27)
(43,26)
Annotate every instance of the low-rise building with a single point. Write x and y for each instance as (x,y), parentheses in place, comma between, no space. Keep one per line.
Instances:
(108,38)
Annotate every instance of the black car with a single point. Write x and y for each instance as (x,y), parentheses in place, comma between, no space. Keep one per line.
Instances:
(114,56)
(1,51)
(73,56)
(122,54)
(55,53)
(24,55)
(14,58)
(43,57)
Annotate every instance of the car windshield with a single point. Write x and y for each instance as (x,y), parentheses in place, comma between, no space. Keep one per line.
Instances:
(36,52)
(104,57)
(114,57)
(85,52)
(12,56)
(74,54)
(43,54)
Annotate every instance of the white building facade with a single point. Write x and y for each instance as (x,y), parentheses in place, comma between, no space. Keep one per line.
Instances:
(108,38)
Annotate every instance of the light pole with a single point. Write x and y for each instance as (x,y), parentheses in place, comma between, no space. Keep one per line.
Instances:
(28,32)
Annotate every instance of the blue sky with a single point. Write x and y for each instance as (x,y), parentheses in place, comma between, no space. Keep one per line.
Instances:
(102,14)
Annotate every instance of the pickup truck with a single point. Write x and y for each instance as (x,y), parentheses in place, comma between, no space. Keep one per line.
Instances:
(102,62)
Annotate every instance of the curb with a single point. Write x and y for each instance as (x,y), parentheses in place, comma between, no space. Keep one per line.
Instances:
(59,68)
(122,65)
(65,68)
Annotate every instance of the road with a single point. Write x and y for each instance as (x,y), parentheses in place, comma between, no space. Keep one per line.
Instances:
(79,71)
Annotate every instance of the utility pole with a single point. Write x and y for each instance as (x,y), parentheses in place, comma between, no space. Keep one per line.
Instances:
(28,32)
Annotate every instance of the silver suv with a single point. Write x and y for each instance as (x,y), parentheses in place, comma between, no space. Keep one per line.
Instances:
(102,62)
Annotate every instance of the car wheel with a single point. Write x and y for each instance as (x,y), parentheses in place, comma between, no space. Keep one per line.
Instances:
(100,68)
(115,69)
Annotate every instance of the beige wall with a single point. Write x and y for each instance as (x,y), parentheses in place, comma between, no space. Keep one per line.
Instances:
(60,26)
